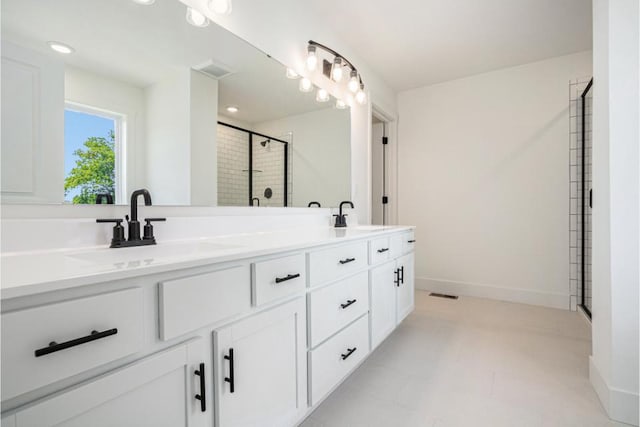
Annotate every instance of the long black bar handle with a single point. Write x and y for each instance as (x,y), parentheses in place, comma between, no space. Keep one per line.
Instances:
(591,198)
(289,277)
(411,241)
(202,397)
(54,346)
(348,303)
(402,274)
(382,250)
(347,260)
(396,277)
(231,378)
(349,352)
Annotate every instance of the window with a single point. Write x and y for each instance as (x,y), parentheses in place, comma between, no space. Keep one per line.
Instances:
(93,154)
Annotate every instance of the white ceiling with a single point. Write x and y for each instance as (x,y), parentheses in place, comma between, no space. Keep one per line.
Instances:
(139,45)
(414,43)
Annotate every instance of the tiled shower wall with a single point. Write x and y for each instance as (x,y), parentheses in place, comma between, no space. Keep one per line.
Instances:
(268,171)
(233,166)
(576,87)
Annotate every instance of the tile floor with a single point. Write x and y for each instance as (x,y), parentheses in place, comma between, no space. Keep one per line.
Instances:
(472,362)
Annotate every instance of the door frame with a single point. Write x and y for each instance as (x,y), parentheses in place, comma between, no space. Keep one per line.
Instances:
(390,122)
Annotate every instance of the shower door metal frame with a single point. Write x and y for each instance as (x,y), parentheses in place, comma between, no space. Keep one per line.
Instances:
(286,160)
(583,195)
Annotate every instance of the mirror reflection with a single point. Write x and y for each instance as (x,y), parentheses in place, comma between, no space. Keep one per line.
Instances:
(102,97)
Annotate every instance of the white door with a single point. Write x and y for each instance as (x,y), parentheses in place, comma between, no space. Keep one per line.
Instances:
(383,301)
(261,369)
(406,286)
(158,391)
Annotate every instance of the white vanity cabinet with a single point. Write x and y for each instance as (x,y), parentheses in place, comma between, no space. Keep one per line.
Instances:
(405,287)
(157,391)
(260,375)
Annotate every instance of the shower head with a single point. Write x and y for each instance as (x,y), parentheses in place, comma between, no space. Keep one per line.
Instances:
(265,142)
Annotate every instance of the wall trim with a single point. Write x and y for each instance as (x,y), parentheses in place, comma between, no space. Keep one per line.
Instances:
(620,405)
(524,296)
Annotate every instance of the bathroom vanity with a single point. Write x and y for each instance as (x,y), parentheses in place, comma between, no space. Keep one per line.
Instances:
(252,329)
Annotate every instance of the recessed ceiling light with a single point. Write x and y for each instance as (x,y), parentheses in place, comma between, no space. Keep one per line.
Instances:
(196,18)
(61,47)
(145,2)
(221,7)
(232,109)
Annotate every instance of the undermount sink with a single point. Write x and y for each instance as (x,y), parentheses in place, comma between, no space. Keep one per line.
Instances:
(149,254)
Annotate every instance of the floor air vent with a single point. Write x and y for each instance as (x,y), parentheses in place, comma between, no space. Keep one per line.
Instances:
(435,294)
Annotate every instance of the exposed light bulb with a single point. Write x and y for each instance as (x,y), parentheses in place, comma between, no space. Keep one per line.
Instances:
(220,7)
(196,18)
(361,97)
(336,70)
(353,84)
(305,85)
(312,59)
(340,104)
(291,73)
(61,47)
(145,2)
(232,109)
(322,95)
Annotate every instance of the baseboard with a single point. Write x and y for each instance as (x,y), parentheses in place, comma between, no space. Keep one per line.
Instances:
(621,405)
(524,296)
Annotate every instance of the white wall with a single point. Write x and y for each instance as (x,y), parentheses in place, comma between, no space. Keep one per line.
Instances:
(483,174)
(616,207)
(87,88)
(321,155)
(282,30)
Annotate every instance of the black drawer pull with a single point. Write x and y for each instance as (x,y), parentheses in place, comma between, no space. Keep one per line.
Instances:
(54,346)
(396,278)
(289,277)
(383,250)
(348,303)
(347,260)
(349,353)
(231,378)
(411,241)
(202,397)
(402,274)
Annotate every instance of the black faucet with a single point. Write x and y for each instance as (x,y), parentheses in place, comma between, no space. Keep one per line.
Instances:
(104,197)
(341,221)
(255,199)
(314,204)
(118,240)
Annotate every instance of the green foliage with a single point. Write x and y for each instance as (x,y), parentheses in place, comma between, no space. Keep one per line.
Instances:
(95,169)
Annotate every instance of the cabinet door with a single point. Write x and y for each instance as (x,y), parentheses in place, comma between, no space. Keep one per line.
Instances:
(158,391)
(260,368)
(406,286)
(383,301)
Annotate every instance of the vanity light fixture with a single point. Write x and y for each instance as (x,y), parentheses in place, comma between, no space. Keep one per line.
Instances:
(340,104)
(312,59)
(145,2)
(361,97)
(61,47)
(305,85)
(336,70)
(231,109)
(220,7)
(196,18)
(322,95)
(353,84)
(291,73)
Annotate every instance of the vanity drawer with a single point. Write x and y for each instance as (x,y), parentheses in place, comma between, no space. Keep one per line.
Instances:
(334,359)
(335,262)
(379,250)
(396,245)
(190,303)
(408,242)
(333,307)
(277,278)
(30,362)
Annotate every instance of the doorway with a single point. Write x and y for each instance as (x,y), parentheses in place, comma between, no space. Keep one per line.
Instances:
(379,171)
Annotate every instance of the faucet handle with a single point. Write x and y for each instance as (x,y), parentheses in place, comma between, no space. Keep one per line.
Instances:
(148,228)
(118,230)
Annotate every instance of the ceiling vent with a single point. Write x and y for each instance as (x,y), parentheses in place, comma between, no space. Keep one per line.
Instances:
(214,69)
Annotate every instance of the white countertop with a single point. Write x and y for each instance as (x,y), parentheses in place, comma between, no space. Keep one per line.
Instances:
(29,273)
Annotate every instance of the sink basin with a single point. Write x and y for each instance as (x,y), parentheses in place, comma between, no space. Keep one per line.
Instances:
(149,254)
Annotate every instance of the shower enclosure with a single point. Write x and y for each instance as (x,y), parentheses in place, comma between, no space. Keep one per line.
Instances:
(585,197)
(253,168)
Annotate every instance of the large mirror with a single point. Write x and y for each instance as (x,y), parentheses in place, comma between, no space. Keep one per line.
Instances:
(100,97)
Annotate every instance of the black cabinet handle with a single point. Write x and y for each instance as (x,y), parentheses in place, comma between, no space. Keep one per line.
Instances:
(383,250)
(402,274)
(289,277)
(348,303)
(411,241)
(347,260)
(396,277)
(202,397)
(54,346)
(231,378)
(348,353)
